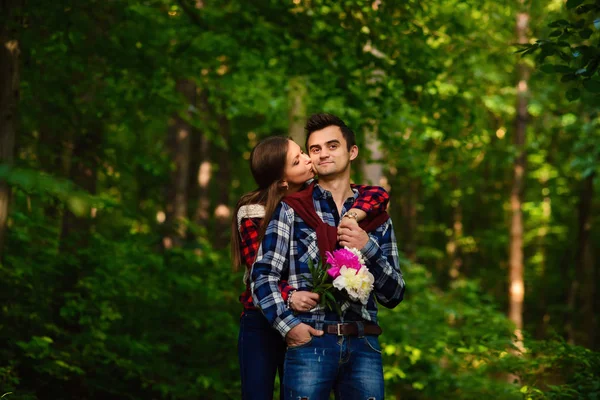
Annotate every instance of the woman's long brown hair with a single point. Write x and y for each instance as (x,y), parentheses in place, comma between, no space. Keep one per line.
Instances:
(267,163)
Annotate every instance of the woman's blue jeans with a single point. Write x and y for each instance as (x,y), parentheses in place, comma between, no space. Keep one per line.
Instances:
(349,365)
(261,351)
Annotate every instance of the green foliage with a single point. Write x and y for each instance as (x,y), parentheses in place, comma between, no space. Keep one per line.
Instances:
(163,324)
(452,344)
(99,307)
(557,370)
(573,43)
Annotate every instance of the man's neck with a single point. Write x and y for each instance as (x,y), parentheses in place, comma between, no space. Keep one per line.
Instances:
(340,189)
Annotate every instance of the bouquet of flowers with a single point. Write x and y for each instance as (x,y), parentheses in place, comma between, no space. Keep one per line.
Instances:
(350,277)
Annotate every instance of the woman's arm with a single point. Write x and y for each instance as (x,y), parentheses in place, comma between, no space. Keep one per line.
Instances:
(249,233)
(370,200)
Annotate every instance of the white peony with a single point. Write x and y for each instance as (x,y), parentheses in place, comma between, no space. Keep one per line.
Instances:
(358,284)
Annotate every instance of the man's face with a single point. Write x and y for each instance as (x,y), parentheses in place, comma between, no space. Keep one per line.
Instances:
(328,151)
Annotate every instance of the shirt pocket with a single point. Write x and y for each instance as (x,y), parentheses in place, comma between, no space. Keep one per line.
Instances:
(307,248)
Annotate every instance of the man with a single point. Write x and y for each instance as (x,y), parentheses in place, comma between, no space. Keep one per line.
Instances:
(325,351)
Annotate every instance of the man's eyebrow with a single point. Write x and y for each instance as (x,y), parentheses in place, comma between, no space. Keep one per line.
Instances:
(334,141)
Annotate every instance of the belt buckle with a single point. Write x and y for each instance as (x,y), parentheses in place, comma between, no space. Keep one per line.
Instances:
(339,331)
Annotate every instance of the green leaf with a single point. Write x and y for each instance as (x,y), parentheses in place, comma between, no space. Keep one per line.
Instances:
(573,94)
(585,8)
(568,77)
(555,33)
(547,68)
(564,56)
(573,3)
(586,33)
(563,69)
(592,85)
(588,172)
(530,50)
(560,22)
(524,49)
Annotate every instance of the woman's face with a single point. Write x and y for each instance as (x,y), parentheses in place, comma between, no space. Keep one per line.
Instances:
(298,167)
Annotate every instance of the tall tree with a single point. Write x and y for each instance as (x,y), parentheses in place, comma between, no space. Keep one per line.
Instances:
(179,139)
(297,109)
(583,287)
(516,266)
(9,97)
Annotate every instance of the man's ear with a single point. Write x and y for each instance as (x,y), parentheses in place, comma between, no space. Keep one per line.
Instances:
(353,152)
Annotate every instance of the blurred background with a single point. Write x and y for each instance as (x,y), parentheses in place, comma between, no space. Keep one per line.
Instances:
(125,132)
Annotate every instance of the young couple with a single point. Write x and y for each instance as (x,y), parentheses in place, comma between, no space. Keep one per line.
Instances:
(277,229)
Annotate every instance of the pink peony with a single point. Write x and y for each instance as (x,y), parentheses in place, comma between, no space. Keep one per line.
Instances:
(342,258)
(334,272)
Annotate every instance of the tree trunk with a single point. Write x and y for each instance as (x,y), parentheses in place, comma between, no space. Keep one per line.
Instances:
(54,155)
(204,176)
(516,268)
(452,249)
(83,172)
(222,210)
(179,138)
(584,289)
(9,99)
(410,200)
(542,302)
(297,110)
(373,169)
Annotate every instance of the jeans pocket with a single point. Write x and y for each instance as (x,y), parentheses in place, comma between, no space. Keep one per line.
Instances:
(301,345)
(373,343)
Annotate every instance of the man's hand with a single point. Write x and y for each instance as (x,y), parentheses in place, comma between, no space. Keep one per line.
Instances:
(301,334)
(352,235)
(303,301)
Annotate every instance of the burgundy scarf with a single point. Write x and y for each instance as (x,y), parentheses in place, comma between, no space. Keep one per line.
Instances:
(302,204)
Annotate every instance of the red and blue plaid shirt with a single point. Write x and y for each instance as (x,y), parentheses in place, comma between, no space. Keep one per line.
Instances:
(290,245)
(371,199)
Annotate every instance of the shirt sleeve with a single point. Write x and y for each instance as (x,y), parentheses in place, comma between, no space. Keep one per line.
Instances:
(249,229)
(381,256)
(371,199)
(270,266)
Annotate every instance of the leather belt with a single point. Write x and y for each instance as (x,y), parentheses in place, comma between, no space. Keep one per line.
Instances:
(351,329)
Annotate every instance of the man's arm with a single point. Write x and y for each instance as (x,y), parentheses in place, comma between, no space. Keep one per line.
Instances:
(381,256)
(270,265)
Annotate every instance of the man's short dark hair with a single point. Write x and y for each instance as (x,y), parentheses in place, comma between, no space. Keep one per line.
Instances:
(316,122)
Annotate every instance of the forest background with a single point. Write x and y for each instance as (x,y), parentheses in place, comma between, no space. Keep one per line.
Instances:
(125,131)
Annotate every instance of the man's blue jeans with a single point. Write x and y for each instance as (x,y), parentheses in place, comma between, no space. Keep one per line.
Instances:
(349,365)
(261,351)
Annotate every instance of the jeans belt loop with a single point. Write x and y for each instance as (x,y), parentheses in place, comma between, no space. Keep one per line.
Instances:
(361,329)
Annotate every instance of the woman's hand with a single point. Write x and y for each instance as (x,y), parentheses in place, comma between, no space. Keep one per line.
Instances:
(303,301)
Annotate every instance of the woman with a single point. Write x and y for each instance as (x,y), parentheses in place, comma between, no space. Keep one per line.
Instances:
(279,167)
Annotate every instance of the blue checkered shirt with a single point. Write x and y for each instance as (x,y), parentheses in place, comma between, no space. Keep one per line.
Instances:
(289,243)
